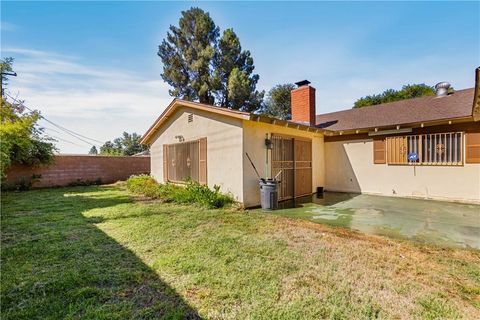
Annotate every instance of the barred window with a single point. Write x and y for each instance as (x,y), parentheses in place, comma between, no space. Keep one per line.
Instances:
(185,160)
(426,149)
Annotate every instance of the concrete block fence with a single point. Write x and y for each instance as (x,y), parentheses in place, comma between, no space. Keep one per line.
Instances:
(76,169)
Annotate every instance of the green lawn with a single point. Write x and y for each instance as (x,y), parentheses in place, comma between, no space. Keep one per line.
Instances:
(95,252)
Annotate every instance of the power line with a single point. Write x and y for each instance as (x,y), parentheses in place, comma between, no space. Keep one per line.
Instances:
(56,125)
(48,128)
(61,139)
(68,131)
(64,140)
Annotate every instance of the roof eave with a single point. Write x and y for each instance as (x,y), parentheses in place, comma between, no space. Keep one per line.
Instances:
(286,123)
(150,133)
(146,136)
(184,103)
(403,125)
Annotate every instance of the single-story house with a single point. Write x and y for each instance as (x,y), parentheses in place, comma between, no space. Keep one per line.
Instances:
(427,147)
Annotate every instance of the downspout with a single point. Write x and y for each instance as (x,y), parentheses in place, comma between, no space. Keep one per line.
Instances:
(266,158)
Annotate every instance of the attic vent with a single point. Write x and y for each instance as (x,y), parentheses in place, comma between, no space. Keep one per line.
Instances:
(441,88)
(190,117)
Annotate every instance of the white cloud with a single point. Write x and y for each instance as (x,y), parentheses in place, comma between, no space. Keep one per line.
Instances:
(97,102)
(7,26)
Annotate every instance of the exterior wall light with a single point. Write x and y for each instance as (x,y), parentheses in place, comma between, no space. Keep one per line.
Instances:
(268,144)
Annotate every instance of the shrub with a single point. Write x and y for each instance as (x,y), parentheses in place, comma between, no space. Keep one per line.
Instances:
(23,184)
(144,184)
(81,182)
(193,192)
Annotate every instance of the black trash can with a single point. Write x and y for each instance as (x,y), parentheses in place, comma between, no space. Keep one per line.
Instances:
(269,194)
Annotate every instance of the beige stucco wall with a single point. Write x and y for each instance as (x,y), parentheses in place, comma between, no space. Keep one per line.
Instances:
(224,146)
(254,143)
(350,168)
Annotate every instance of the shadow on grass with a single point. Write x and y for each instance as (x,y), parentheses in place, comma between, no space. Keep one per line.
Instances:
(55,263)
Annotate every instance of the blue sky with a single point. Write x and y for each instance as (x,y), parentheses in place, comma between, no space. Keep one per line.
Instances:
(92,66)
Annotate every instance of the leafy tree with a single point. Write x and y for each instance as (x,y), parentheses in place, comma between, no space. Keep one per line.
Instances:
(407,92)
(109,149)
(187,54)
(93,150)
(22,140)
(21,137)
(278,102)
(126,145)
(234,67)
(131,144)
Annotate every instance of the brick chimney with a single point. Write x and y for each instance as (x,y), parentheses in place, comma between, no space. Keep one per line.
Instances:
(303,103)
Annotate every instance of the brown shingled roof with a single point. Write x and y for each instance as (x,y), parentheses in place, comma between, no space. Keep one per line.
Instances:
(423,109)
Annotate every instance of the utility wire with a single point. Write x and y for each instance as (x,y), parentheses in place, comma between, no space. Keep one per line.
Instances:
(68,131)
(56,125)
(61,139)
(64,140)
(73,132)
(60,132)
(51,129)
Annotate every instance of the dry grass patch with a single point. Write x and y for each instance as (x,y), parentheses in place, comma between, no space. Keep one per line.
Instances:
(405,279)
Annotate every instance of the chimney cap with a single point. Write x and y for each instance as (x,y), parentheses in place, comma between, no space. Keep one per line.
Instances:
(302,83)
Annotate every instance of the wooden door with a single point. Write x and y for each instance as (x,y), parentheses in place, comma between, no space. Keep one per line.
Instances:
(302,167)
(293,157)
(282,160)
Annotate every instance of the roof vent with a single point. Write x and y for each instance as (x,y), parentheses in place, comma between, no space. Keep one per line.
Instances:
(441,88)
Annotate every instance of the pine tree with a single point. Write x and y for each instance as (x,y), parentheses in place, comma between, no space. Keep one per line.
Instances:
(230,57)
(199,66)
(187,55)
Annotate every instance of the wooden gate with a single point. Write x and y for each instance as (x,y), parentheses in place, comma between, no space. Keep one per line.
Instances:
(303,167)
(293,157)
(282,159)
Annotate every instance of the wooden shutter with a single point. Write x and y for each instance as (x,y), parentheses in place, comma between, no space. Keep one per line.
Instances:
(472,147)
(202,161)
(379,151)
(397,150)
(165,162)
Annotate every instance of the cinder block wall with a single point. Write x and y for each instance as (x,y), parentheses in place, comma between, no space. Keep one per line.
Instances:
(68,169)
